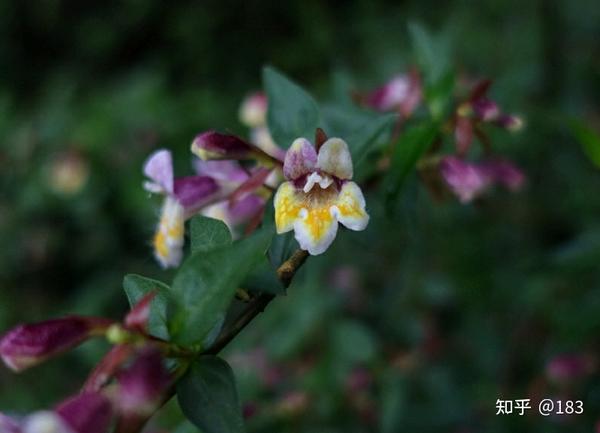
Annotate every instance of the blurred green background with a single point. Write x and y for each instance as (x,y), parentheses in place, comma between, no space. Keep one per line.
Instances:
(419,323)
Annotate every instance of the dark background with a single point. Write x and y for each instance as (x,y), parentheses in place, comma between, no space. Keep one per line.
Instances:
(443,308)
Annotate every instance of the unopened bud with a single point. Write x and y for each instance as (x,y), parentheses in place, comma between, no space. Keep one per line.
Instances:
(253,111)
(213,145)
(30,344)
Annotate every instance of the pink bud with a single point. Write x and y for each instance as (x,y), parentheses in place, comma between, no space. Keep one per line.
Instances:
(485,109)
(30,344)
(402,92)
(142,385)
(213,145)
(510,122)
(253,111)
(86,413)
(505,173)
(137,318)
(466,180)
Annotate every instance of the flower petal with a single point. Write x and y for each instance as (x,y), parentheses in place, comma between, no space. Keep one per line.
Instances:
(228,171)
(315,229)
(350,207)
(300,159)
(195,192)
(89,412)
(253,111)
(334,158)
(159,168)
(315,178)
(287,204)
(168,240)
(466,180)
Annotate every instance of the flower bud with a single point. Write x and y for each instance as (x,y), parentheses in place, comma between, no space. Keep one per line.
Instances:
(30,344)
(89,412)
(213,145)
(142,385)
(139,315)
(253,111)
(485,109)
(466,180)
(510,122)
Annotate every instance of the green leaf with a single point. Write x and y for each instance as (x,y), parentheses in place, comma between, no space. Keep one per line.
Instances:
(589,140)
(292,112)
(208,233)
(408,149)
(208,396)
(136,287)
(359,128)
(263,279)
(432,51)
(206,283)
(433,54)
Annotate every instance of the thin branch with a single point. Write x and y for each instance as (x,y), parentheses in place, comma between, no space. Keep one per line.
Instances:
(285,273)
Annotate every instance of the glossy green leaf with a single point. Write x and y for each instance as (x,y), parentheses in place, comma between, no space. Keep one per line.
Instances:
(292,111)
(208,396)
(588,138)
(208,233)
(136,287)
(206,283)
(408,149)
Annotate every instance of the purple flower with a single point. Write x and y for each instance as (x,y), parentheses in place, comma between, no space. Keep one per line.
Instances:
(141,386)
(30,344)
(466,180)
(184,197)
(89,412)
(402,93)
(469,180)
(319,194)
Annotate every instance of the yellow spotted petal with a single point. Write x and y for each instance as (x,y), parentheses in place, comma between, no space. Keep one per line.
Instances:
(349,208)
(288,203)
(169,237)
(315,229)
